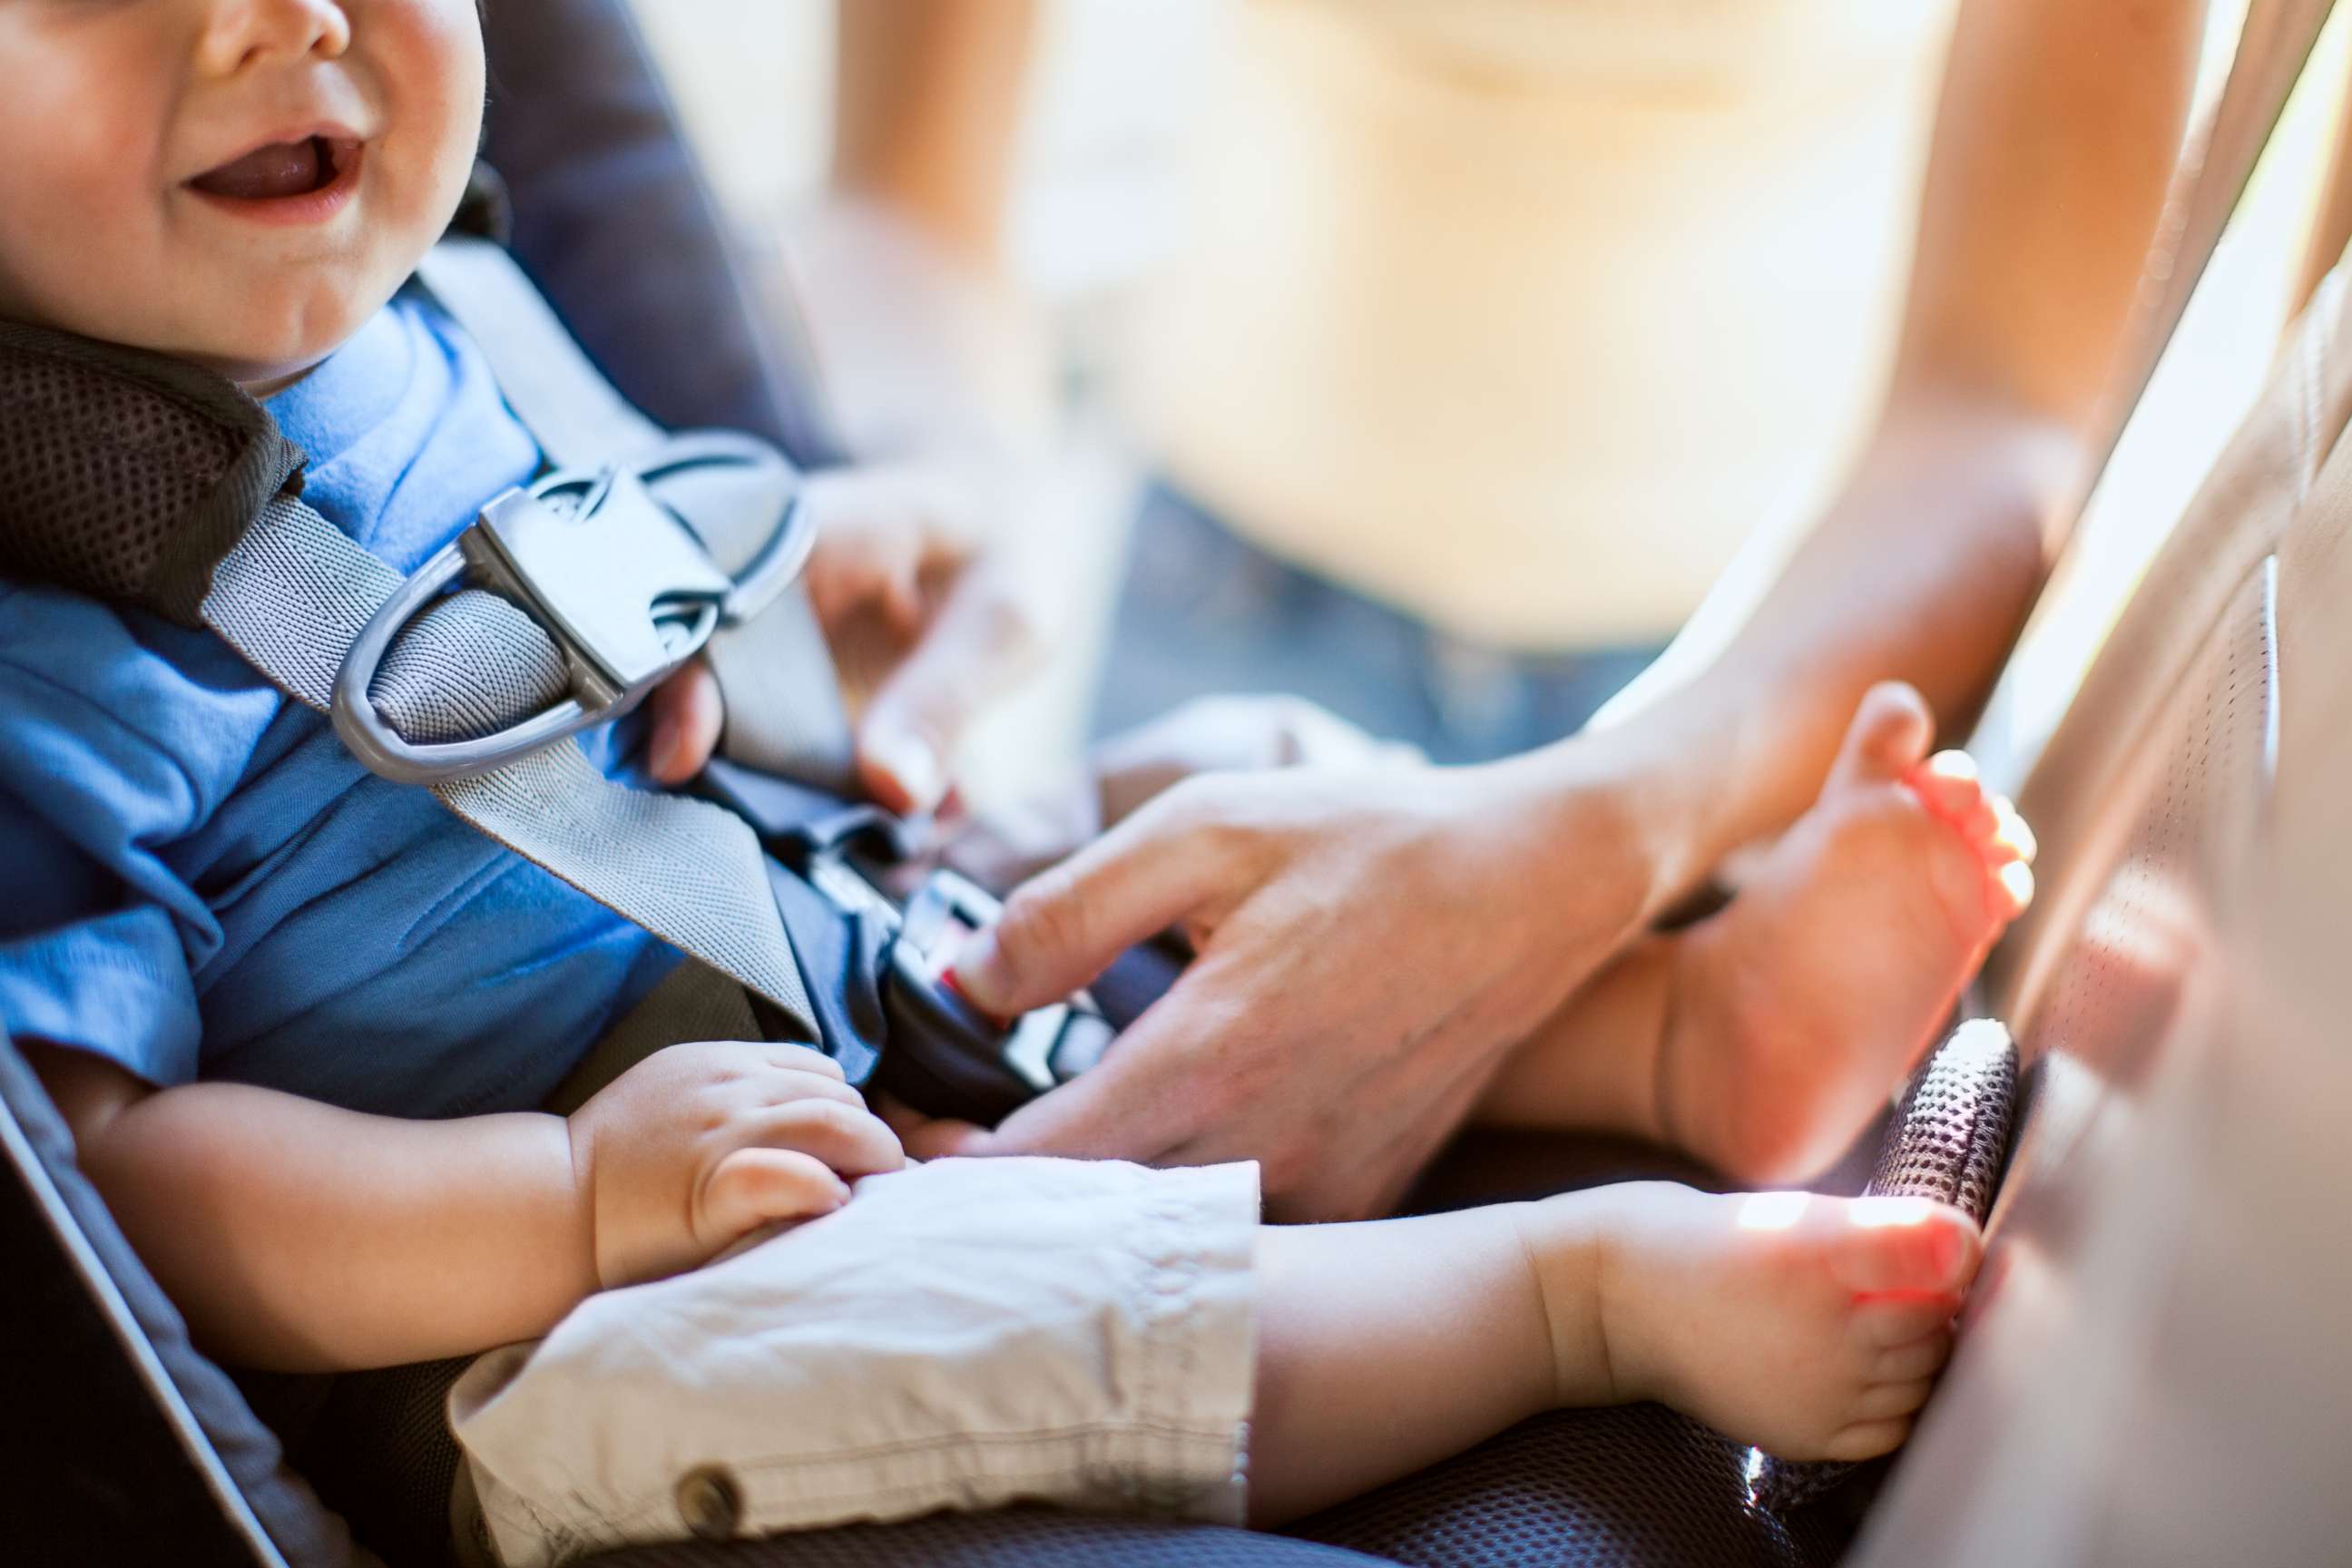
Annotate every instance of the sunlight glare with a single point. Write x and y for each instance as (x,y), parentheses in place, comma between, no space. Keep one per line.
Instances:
(1774,1211)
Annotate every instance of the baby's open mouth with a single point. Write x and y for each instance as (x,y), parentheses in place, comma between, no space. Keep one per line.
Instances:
(279,171)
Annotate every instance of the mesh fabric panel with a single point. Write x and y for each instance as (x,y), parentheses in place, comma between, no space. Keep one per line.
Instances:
(379,1453)
(1009,1538)
(1946,1142)
(123,474)
(1636,1487)
(114,468)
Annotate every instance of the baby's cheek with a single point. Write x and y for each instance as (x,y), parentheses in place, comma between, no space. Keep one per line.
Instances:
(76,265)
(428,54)
(82,111)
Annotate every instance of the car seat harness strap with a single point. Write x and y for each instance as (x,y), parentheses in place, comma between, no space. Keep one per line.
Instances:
(138,480)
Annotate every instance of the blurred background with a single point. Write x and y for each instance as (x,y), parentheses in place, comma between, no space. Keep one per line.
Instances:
(1387,394)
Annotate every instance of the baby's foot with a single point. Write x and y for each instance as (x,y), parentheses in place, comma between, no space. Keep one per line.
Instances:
(1801,1007)
(1811,1327)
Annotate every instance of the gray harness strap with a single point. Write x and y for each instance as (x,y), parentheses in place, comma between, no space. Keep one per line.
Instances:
(783,705)
(293,594)
(134,478)
(574,413)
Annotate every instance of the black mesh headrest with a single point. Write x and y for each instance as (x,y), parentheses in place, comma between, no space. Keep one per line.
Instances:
(127,475)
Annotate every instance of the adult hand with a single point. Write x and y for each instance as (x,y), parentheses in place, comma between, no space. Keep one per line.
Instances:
(1230,732)
(927,612)
(1370,945)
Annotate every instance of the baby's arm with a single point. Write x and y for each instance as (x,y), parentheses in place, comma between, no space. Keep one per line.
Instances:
(297,1236)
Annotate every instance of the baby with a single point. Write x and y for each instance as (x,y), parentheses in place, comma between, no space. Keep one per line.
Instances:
(301,1018)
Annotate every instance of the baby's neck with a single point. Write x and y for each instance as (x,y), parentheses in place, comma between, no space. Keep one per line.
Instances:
(257,390)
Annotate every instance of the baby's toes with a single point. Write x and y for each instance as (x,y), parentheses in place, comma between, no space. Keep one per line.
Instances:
(1904,1247)
(1948,786)
(1891,1401)
(1868,1439)
(2011,889)
(2013,839)
(2009,861)
(1922,1355)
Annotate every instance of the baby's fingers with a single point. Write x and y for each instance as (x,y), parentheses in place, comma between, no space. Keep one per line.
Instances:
(752,1187)
(688,715)
(849,1139)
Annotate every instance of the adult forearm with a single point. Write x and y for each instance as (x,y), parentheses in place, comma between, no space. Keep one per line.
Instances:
(927,108)
(297,1236)
(2057,134)
(926,343)
(1924,571)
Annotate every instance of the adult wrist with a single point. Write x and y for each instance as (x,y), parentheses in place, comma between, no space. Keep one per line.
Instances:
(921,350)
(1629,804)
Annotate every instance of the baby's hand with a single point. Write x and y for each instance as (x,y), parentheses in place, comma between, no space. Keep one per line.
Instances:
(931,602)
(700,1145)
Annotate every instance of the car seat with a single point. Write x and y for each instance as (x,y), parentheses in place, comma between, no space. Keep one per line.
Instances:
(2166,799)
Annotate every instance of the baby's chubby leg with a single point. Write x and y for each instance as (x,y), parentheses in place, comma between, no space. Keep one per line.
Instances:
(1810,1326)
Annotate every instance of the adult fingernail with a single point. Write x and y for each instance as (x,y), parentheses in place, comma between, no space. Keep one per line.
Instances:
(954,980)
(913,768)
(977,973)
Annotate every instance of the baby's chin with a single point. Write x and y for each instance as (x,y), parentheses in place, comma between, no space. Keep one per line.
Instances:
(278,346)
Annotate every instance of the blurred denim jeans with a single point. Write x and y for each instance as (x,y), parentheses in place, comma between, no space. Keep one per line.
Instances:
(1205,611)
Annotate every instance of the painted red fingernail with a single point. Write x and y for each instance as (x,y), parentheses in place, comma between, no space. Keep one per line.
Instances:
(948,979)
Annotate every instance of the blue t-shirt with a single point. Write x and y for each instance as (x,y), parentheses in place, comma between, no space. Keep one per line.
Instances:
(197,880)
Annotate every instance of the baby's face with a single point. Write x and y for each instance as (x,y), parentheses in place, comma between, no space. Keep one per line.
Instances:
(240,183)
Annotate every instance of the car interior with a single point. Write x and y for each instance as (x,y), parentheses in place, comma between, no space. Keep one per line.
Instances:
(2153,1366)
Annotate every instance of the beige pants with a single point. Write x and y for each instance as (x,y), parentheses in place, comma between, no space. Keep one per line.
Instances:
(962,1334)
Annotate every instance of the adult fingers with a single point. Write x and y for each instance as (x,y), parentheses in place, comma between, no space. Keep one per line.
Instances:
(1358,1166)
(981,642)
(855,569)
(1064,926)
(926,1137)
(941,1138)
(752,1187)
(688,714)
(1152,1092)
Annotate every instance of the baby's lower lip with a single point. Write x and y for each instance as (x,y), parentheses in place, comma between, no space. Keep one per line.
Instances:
(311,206)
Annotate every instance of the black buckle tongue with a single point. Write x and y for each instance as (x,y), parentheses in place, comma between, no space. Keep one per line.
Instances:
(946,1056)
(939,1054)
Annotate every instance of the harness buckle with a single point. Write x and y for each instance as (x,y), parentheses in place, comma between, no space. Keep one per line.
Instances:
(937,1052)
(945,1055)
(621,583)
